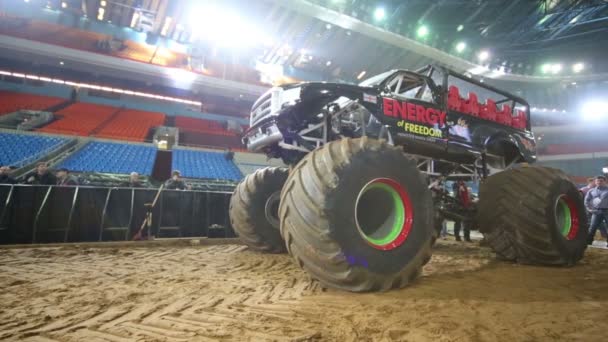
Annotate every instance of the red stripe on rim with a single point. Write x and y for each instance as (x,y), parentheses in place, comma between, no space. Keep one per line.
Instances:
(408,219)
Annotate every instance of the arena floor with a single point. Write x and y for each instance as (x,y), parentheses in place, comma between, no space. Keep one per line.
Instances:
(227,293)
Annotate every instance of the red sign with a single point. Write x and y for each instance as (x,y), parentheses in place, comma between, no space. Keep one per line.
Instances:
(413,113)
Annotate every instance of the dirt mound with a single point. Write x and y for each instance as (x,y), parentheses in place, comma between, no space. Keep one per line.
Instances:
(210,293)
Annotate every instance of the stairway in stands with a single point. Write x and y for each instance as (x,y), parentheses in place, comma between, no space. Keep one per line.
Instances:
(162,165)
(106,122)
(59,106)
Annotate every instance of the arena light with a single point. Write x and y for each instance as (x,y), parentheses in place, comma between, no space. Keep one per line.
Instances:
(226,28)
(181,78)
(545,68)
(379,13)
(101,88)
(595,110)
(578,67)
(459,28)
(556,68)
(64,5)
(422,31)
(460,47)
(483,55)
(361,74)
(135,19)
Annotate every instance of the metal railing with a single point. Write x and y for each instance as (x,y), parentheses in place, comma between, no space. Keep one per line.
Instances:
(38,214)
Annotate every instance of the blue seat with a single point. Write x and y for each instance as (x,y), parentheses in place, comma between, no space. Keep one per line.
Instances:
(19,148)
(112,158)
(204,164)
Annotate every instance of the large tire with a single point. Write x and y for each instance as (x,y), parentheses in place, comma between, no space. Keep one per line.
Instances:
(357,215)
(254,209)
(533,215)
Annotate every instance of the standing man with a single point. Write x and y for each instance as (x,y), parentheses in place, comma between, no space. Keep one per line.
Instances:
(596,201)
(41,176)
(590,185)
(461,192)
(133,182)
(65,179)
(176,182)
(5,175)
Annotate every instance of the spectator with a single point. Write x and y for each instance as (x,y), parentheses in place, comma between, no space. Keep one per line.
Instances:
(41,176)
(596,201)
(438,191)
(176,182)
(461,193)
(229,155)
(590,185)
(65,179)
(133,182)
(5,175)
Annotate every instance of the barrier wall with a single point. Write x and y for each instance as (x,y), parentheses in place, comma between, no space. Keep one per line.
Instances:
(39,214)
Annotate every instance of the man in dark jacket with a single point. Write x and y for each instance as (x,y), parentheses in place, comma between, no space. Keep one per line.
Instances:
(41,176)
(5,175)
(461,193)
(65,179)
(176,182)
(596,201)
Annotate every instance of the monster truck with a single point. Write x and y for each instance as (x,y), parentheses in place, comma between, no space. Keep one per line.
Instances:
(355,208)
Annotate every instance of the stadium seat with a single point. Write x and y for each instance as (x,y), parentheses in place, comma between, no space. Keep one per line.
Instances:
(201,125)
(519,121)
(488,111)
(505,116)
(80,119)
(473,105)
(454,100)
(115,158)
(12,102)
(204,164)
(132,125)
(17,149)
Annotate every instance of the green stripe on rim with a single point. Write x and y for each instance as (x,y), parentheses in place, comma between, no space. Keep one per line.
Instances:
(383,214)
(566,217)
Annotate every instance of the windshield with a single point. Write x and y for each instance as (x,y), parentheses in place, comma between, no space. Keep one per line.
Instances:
(375,80)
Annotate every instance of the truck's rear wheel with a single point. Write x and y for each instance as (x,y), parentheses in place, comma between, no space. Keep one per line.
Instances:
(357,215)
(254,208)
(533,215)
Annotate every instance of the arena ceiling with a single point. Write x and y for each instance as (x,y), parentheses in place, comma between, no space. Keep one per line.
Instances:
(523,40)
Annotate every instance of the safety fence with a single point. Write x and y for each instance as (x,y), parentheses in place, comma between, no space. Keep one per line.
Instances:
(38,214)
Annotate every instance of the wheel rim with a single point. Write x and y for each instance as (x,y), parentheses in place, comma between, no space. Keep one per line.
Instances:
(271,209)
(383,214)
(566,216)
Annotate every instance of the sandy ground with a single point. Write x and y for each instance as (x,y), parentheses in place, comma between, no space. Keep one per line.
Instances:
(227,293)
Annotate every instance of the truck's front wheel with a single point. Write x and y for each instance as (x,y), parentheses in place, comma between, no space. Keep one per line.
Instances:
(357,215)
(254,207)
